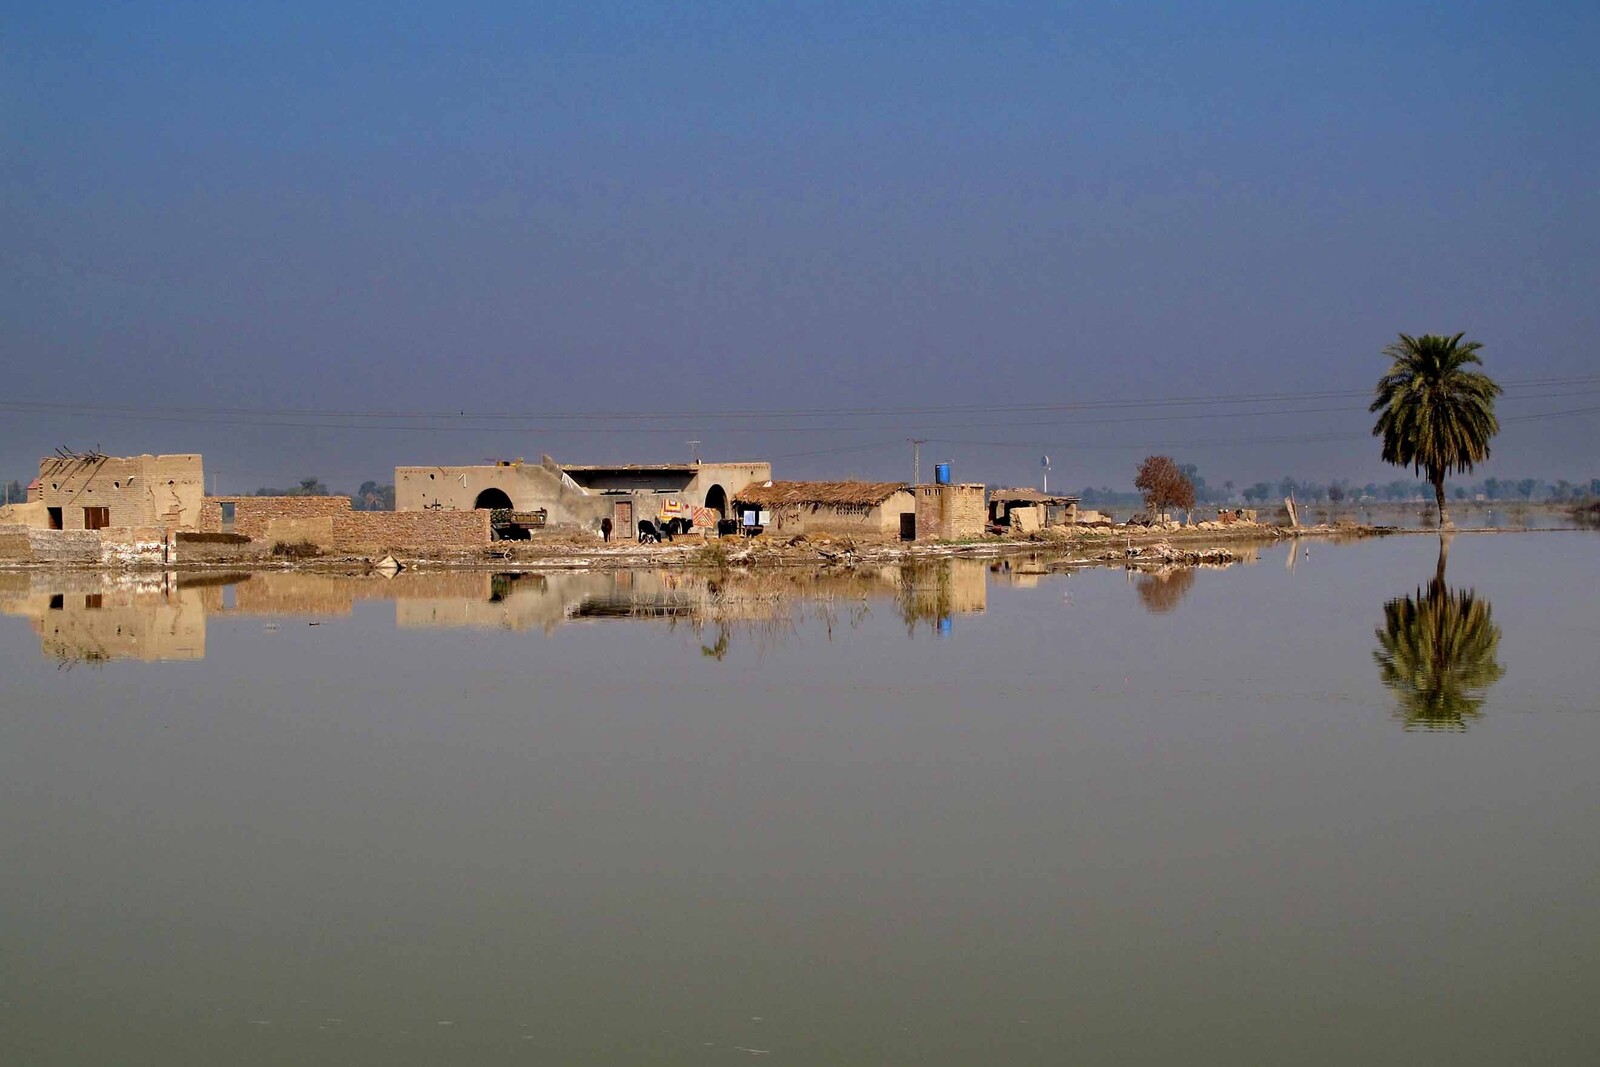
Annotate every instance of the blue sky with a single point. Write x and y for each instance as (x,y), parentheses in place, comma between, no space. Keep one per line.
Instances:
(742,220)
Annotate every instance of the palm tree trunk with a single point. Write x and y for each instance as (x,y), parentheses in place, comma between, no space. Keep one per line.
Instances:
(1438,495)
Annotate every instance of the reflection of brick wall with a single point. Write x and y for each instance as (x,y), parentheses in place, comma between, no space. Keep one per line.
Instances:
(359,530)
(295,594)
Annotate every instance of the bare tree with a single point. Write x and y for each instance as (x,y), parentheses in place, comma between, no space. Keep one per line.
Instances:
(1163,485)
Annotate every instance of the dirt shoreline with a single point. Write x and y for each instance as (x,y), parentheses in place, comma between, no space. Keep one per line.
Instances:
(1176,546)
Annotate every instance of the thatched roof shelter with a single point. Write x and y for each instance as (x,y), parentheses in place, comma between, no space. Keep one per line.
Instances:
(1029,496)
(822,494)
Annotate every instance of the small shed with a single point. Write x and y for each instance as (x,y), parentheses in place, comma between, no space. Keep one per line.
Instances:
(1030,509)
(859,509)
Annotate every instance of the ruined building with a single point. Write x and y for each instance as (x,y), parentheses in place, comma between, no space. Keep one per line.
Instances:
(95,492)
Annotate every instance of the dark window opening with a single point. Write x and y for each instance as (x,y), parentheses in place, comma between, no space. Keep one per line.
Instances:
(58,602)
(93,601)
(227,518)
(55,518)
(908,526)
(96,518)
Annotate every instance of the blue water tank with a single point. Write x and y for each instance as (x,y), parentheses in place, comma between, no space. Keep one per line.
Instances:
(941,473)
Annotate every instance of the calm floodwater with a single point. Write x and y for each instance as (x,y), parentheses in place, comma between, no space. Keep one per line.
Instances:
(1327,812)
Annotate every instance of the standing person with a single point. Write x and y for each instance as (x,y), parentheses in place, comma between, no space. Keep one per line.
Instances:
(605,530)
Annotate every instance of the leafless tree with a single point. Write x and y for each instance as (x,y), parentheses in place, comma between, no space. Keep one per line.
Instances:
(1163,485)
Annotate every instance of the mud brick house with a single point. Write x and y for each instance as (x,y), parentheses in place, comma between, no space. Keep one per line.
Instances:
(95,492)
(581,496)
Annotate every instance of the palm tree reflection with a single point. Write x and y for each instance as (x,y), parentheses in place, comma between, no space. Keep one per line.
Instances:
(1437,651)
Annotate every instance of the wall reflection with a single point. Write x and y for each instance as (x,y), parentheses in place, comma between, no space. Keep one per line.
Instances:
(91,618)
(1437,652)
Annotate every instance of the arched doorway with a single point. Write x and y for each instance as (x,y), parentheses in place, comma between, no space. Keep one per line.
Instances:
(717,500)
(493,499)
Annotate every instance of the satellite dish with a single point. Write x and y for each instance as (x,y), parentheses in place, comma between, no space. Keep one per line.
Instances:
(1044,461)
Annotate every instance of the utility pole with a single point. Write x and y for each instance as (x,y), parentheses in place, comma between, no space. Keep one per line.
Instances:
(214,474)
(916,458)
(694,450)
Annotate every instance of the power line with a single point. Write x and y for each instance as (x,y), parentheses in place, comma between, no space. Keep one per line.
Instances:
(1240,442)
(222,416)
(1237,399)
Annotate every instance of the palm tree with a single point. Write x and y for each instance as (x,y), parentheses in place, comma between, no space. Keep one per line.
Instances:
(1437,414)
(1438,652)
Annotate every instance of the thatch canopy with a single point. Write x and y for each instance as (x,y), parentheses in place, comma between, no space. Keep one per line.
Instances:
(835,494)
(1029,496)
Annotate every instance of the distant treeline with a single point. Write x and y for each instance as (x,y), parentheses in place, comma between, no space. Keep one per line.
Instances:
(375,497)
(1343,490)
(370,497)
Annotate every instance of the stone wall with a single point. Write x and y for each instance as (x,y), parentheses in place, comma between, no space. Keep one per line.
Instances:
(130,546)
(214,548)
(21,544)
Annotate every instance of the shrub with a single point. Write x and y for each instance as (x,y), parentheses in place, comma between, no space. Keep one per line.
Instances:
(296,550)
(712,554)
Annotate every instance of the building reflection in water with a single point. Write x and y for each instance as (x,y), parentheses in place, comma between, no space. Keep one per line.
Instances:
(85,618)
(95,618)
(1437,651)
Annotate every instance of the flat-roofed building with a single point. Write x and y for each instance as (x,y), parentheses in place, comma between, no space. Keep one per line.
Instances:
(862,509)
(582,495)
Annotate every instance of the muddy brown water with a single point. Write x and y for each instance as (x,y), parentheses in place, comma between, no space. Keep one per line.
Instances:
(1329,806)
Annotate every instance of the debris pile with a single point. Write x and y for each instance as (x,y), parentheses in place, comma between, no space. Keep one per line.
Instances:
(1162,553)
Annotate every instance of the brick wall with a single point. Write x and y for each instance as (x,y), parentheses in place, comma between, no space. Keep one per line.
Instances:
(358,531)
(969,512)
(950,512)
(329,521)
(252,514)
